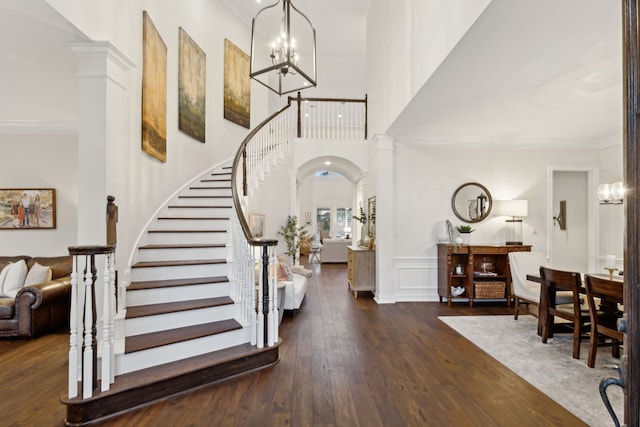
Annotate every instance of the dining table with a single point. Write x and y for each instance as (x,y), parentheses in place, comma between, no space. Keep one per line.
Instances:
(542,306)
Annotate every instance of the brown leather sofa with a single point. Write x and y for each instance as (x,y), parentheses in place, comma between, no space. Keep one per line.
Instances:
(39,308)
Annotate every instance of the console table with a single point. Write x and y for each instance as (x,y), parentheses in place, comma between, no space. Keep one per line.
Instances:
(475,272)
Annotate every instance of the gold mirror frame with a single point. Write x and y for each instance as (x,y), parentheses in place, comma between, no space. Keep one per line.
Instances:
(471,204)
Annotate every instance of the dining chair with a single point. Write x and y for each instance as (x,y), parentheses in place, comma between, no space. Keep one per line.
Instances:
(554,281)
(525,291)
(604,295)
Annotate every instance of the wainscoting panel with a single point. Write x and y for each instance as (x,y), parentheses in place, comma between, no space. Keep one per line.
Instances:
(416,279)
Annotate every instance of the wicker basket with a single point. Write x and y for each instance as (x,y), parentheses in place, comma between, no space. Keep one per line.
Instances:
(487,290)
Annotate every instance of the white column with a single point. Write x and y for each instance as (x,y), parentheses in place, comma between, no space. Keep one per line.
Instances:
(293,192)
(385,219)
(103,108)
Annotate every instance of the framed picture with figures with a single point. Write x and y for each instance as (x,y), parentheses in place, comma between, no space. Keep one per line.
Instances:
(27,208)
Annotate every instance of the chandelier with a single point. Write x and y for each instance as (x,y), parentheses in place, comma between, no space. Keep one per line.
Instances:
(286,62)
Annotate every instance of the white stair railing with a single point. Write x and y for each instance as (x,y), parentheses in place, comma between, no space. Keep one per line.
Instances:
(84,340)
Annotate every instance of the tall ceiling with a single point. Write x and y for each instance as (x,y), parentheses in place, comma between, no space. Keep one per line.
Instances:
(530,73)
(527,72)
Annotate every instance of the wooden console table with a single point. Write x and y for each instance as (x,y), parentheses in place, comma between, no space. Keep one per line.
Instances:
(464,267)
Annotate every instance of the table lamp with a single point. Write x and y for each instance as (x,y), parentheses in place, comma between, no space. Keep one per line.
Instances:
(514,208)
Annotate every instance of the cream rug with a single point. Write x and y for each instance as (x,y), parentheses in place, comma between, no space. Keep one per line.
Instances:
(568,381)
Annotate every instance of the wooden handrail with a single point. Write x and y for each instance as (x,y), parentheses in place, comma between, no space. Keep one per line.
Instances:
(241,155)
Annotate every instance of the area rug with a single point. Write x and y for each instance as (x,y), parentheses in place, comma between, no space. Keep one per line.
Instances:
(568,381)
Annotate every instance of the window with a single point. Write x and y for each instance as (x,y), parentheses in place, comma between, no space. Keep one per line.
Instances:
(323,221)
(343,220)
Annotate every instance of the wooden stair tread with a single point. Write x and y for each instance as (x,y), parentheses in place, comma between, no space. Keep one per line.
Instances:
(200,207)
(158,284)
(193,218)
(184,246)
(174,307)
(187,231)
(173,336)
(204,197)
(144,264)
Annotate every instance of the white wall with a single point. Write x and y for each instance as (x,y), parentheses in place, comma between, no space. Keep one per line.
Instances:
(140,183)
(425,179)
(612,223)
(406,41)
(41,161)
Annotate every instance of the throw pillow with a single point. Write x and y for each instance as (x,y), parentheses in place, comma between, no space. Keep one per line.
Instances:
(298,269)
(3,275)
(15,279)
(38,274)
(284,259)
(282,273)
(287,268)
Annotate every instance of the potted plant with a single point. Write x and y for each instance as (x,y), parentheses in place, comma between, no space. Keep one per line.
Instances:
(465,233)
(293,235)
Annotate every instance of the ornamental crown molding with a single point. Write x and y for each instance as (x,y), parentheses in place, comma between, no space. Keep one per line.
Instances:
(38,127)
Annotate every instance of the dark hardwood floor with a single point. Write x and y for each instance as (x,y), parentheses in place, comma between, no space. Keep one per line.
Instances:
(344,362)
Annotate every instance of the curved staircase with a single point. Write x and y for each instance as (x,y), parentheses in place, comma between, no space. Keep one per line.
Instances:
(182,327)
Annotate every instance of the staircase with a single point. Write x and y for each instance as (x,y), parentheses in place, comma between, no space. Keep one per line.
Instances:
(181,329)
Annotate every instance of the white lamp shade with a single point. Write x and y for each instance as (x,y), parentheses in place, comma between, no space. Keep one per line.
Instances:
(604,192)
(513,208)
(617,190)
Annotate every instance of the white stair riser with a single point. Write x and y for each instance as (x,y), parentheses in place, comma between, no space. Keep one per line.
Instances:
(160,322)
(176,293)
(178,272)
(165,354)
(185,238)
(208,212)
(191,224)
(208,190)
(181,254)
(203,201)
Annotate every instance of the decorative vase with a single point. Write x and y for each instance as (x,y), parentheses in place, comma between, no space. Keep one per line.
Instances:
(444,232)
(466,238)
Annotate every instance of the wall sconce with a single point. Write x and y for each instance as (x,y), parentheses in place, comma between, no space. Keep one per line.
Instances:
(514,208)
(611,194)
(561,219)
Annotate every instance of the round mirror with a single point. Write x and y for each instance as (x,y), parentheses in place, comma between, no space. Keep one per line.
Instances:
(471,202)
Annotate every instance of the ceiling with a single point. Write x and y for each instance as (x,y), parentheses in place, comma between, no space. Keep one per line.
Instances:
(521,75)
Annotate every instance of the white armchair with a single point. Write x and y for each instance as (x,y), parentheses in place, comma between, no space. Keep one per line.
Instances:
(526,291)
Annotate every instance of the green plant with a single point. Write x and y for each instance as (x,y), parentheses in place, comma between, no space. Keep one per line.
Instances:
(362,218)
(293,235)
(464,228)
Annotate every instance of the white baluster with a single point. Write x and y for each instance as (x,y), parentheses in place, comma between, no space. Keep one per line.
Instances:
(105,374)
(112,335)
(273,299)
(87,374)
(73,336)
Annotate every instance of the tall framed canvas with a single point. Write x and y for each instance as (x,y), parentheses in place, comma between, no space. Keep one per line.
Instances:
(191,87)
(154,91)
(237,86)
(256,225)
(27,208)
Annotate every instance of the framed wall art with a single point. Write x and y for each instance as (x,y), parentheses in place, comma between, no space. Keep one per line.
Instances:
(27,208)
(191,87)
(237,85)
(154,91)
(256,224)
